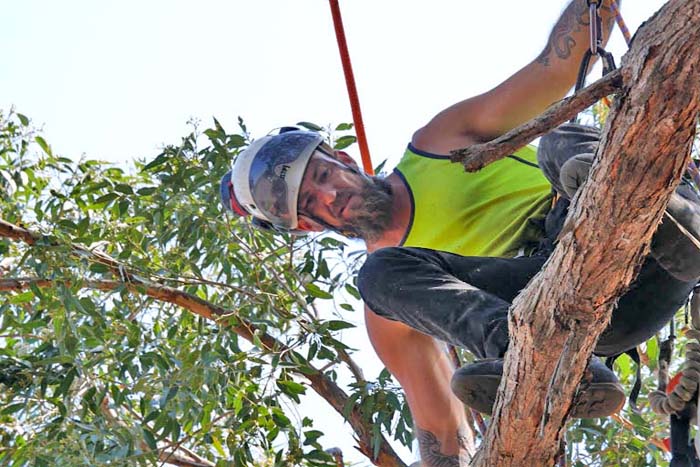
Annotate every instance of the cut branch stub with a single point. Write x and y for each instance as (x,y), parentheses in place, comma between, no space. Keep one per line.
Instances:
(479,156)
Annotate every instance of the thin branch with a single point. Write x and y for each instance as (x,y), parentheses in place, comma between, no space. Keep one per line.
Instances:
(479,156)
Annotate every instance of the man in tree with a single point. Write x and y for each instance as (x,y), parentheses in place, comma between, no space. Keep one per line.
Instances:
(469,242)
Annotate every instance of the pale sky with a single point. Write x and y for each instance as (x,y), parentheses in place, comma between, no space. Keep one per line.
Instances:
(117,80)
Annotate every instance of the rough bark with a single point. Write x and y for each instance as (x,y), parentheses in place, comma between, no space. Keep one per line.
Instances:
(644,149)
(319,382)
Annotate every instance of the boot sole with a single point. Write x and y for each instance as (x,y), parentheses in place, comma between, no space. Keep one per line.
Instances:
(597,400)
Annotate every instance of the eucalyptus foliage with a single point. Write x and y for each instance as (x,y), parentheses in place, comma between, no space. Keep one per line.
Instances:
(97,370)
(94,373)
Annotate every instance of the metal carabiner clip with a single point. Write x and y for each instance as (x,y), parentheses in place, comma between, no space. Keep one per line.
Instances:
(593,17)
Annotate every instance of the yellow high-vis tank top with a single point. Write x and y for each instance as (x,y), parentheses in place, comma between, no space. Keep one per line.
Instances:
(497,211)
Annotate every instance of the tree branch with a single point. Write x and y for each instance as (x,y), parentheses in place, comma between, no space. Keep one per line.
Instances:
(319,382)
(479,156)
(643,152)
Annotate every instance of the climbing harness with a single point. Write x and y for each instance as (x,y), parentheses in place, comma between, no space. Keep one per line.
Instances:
(352,89)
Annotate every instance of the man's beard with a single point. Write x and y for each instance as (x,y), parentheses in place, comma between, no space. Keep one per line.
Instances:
(373,217)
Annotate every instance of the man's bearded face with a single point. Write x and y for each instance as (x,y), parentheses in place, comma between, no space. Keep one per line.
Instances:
(344,199)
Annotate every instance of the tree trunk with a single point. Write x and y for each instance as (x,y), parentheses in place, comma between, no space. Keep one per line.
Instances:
(556,320)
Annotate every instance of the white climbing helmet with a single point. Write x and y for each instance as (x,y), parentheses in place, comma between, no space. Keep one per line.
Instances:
(266,178)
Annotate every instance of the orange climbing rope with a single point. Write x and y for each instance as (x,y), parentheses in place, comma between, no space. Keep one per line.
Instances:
(352,90)
(621,22)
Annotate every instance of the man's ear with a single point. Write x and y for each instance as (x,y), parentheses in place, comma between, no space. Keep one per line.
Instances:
(345,158)
(309,225)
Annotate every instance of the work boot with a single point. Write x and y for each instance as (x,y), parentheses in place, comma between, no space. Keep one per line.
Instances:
(676,243)
(600,393)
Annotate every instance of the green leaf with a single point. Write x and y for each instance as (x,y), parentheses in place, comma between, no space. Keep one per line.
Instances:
(352,291)
(316,291)
(312,437)
(105,199)
(150,439)
(212,134)
(310,126)
(218,126)
(167,395)
(146,191)
(344,141)
(124,188)
(291,388)
(235,141)
(99,268)
(217,445)
(23,119)
(160,160)
(653,352)
(12,408)
(338,325)
(44,145)
(57,359)
(344,127)
(24,297)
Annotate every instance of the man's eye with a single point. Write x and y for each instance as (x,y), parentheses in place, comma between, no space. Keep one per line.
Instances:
(323,177)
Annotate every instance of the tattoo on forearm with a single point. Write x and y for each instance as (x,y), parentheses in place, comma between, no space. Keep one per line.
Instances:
(560,40)
(574,18)
(430,450)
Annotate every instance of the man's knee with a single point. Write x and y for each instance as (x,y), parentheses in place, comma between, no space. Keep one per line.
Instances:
(372,278)
(568,139)
(560,145)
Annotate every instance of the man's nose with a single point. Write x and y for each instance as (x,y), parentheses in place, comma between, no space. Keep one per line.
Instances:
(327,195)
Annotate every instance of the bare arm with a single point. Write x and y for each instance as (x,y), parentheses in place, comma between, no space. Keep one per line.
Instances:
(424,371)
(522,96)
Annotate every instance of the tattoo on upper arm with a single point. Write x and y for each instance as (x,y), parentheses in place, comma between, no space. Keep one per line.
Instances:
(430,450)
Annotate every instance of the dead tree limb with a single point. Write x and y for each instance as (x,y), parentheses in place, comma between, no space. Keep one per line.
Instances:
(479,156)
(644,149)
